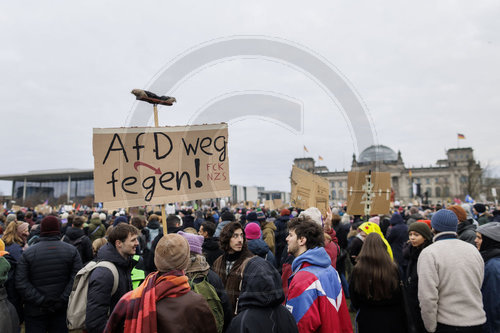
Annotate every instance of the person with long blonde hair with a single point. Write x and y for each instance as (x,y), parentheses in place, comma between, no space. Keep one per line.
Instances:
(375,290)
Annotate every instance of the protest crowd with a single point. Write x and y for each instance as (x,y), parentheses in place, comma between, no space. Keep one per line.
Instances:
(252,269)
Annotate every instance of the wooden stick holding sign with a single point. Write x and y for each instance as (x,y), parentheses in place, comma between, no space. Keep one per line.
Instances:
(151,98)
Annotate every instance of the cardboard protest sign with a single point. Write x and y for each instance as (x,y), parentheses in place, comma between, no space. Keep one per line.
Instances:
(15,208)
(368,193)
(269,204)
(278,204)
(309,190)
(157,165)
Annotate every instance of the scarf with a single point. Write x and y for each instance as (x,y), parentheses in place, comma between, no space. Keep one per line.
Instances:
(141,310)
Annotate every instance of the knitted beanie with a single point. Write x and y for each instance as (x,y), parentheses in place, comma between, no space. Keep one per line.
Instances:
(10,218)
(285,212)
(172,253)
(480,208)
(422,229)
(50,226)
(444,220)
(95,215)
(314,214)
(227,216)
(195,241)
(252,216)
(459,212)
(120,219)
(252,231)
(102,217)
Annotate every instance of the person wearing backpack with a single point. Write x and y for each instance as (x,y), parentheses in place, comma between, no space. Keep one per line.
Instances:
(205,282)
(44,278)
(121,246)
(164,302)
(76,237)
(96,228)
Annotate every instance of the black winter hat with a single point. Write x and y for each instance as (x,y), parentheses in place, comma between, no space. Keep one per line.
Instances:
(480,208)
(227,216)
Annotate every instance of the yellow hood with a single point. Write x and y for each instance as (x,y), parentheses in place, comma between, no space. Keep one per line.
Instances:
(369,227)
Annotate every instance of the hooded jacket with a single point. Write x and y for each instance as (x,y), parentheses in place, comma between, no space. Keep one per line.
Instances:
(9,321)
(397,237)
(467,232)
(219,228)
(369,227)
(85,245)
(259,304)
(260,248)
(281,224)
(315,295)
(99,298)
(211,249)
(96,229)
(268,235)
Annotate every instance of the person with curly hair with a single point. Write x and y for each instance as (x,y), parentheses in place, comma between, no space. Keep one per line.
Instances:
(230,265)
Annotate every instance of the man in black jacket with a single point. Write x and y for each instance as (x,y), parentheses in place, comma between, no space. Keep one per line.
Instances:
(121,246)
(75,235)
(211,248)
(45,276)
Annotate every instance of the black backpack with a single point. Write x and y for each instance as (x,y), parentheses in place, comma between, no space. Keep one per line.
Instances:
(75,242)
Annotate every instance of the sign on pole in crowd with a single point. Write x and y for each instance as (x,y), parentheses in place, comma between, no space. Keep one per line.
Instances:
(368,193)
(157,165)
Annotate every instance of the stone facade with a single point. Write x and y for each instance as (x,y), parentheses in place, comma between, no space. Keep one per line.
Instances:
(454,177)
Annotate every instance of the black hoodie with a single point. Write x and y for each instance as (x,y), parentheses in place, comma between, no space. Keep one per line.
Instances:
(259,304)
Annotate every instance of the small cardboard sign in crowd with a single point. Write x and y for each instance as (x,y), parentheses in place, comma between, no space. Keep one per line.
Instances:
(157,165)
(309,190)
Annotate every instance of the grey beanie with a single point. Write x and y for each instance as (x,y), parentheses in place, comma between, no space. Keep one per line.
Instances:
(490,230)
(444,220)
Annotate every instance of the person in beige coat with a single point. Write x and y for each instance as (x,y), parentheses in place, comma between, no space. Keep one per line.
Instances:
(450,275)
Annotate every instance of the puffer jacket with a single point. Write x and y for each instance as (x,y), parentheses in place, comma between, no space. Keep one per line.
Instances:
(46,271)
(259,305)
(99,298)
(96,229)
(260,248)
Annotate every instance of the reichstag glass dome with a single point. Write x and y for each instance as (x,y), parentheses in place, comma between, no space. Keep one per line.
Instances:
(377,153)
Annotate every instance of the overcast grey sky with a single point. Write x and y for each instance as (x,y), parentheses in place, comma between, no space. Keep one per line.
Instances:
(424,71)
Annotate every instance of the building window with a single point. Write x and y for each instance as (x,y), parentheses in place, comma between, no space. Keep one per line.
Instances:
(446,191)
(341,195)
(427,181)
(438,192)
(429,191)
(334,194)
